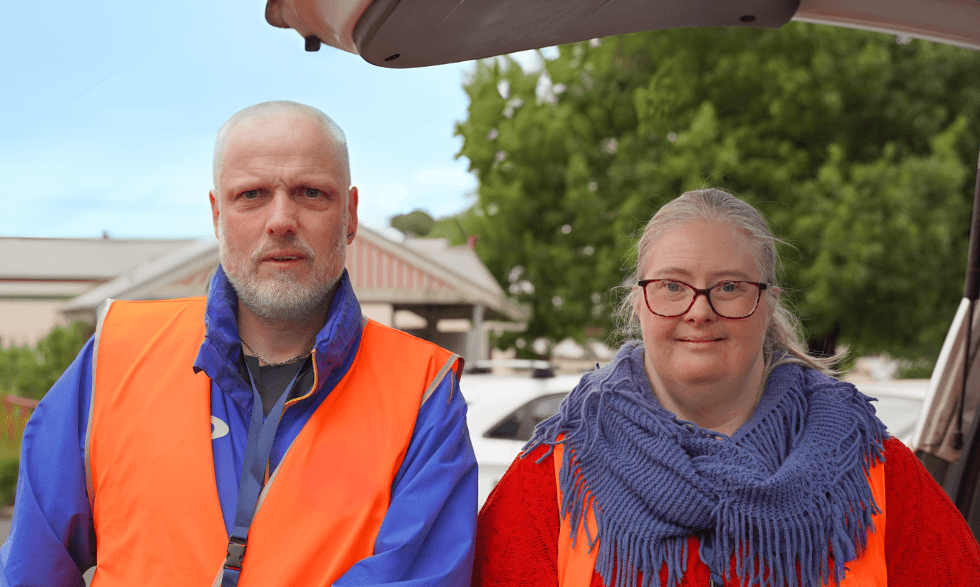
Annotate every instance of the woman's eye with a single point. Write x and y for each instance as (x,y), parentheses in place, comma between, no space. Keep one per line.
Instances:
(312,192)
(729,287)
(672,286)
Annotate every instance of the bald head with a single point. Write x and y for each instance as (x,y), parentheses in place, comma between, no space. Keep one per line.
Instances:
(279,109)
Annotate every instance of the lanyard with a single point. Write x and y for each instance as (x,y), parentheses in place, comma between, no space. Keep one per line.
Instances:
(257,451)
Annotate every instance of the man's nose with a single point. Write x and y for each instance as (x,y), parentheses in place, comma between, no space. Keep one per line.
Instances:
(701,311)
(283,215)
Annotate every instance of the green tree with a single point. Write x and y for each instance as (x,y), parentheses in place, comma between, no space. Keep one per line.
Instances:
(456,228)
(416,223)
(30,372)
(856,146)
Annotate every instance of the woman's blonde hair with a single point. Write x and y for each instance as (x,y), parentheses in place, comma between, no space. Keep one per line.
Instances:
(783,342)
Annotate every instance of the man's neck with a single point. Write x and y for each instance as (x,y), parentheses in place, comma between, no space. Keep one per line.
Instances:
(277,341)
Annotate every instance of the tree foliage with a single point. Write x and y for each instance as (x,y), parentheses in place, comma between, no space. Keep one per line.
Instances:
(416,223)
(859,148)
(31,371)
(456,229)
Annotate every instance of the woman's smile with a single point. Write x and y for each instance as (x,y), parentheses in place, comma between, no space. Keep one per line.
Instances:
(699,358)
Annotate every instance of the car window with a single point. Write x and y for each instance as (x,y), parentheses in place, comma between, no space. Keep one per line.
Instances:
(519,424)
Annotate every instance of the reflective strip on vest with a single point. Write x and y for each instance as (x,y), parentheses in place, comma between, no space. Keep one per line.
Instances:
(576,565)
(156,510)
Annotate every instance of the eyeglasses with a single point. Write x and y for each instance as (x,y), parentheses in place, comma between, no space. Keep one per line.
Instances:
(729,299)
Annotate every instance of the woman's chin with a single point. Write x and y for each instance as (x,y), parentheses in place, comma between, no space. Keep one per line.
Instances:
(700,371)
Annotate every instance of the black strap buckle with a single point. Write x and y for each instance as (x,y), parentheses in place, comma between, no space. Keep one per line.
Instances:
(236,553)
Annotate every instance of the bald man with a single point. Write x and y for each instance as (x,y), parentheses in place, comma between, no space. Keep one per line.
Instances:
(267,435)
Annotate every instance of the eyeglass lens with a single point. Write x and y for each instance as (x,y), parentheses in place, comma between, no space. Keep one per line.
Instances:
(730,299)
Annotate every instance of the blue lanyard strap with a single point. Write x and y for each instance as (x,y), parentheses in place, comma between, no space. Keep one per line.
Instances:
(261,433)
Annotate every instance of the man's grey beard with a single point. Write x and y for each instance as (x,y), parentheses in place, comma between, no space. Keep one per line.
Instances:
(281,298)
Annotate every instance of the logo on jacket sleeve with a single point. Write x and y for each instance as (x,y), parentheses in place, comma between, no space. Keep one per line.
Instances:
(218,428)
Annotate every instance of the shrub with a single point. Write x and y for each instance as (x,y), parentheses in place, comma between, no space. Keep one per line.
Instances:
(8,480)
(30,372)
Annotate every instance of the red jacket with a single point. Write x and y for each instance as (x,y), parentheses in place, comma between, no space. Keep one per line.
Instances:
(927,542)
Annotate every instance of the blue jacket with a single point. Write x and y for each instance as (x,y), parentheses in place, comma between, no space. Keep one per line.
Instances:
(52,540)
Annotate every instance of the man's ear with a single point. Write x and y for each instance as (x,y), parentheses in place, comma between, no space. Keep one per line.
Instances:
(215,212)
(352,211)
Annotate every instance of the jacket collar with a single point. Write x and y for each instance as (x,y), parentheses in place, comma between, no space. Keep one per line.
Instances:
(221,356)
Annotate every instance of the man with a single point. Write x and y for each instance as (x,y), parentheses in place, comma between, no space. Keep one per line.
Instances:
(337,451)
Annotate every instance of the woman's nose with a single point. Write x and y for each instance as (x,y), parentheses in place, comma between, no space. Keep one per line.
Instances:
(701,310)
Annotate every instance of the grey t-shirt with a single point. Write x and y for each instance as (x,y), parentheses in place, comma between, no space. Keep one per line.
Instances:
(271,381)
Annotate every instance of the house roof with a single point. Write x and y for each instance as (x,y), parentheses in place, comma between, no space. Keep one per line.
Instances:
(381,270)
(65,267)
(424,271)
(181,273)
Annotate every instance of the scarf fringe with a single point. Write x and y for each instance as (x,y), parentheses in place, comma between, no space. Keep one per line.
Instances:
(768,545)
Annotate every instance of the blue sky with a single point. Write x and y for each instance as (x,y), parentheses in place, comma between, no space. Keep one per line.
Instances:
(108,112)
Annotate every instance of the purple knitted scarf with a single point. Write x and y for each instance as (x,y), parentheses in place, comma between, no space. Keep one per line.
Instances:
(789,488)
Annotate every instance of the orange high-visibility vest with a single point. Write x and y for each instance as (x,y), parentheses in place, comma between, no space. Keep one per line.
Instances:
(576,565)
(155,506)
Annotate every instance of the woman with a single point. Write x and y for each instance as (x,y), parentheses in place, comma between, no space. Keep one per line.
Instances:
(717,451)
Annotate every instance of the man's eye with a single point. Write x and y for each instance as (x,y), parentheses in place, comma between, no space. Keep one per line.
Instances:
(312,193)
(250,194)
